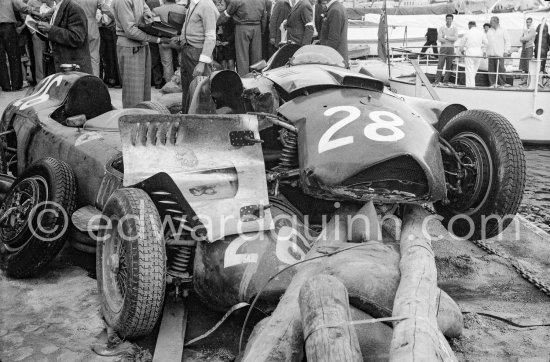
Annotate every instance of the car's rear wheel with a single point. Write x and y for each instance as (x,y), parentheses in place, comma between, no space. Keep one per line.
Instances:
(131,263)
(34,217)
(486,176)
(156,106)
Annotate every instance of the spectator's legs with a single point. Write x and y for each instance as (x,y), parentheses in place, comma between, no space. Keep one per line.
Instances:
(440,64)
(255,46)
(426,46)
(4,75)
(472,65)
(470,72)
(189,60)
(492,68)
(135,71)
(449,64)
(501,71)
(156,65)
(166,60)
(109,53)
(243,36)
(38,46)
(145,52)
(543,56)
(103,54)
(9,44)
(94,44)
(434,48)
(526,54)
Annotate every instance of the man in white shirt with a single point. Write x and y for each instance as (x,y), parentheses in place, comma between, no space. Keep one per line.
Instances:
(472,42)
(498,46)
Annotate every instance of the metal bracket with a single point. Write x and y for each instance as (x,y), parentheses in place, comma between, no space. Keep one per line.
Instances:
(243,138)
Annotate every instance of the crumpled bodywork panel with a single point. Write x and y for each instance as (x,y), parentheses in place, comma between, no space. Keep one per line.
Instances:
(344,131)
(295,78)
(224,183)
(86,151)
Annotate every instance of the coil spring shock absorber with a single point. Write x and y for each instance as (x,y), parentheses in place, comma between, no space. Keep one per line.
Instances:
(289,154)
(179,259)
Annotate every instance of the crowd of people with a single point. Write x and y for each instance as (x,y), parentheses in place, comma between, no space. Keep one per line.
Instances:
(493,43)
(105,38)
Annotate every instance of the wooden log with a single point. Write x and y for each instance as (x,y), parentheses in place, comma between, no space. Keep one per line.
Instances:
(281,338)
(370,272)
(417,338)
(324,307)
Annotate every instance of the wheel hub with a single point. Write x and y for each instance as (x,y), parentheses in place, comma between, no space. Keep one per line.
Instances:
(16,210)
(470,176)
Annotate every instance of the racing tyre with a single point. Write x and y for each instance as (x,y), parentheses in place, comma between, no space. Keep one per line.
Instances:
(131,263)
(34,217)
(485,192)
(155,106)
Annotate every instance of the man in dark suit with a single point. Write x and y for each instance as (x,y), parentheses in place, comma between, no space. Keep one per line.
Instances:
(300,22)
(156,63)
(280,12)
(319,15)
(334,31)
(68,35)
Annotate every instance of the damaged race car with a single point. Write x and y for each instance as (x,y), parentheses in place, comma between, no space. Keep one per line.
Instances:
(195,201)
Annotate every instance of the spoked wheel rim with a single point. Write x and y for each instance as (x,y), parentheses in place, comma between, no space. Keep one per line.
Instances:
(115,268)
(18,208)
(477,176)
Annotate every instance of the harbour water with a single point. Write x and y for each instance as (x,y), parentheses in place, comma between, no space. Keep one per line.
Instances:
(536,200)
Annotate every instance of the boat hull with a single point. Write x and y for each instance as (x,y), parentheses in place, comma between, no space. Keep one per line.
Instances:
(529,114)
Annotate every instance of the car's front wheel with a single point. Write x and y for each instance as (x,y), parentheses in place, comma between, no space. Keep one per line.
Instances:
(485,176)
(131,263)
(34,217)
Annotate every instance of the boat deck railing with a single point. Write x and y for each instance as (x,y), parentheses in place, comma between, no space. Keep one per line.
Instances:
(427,61)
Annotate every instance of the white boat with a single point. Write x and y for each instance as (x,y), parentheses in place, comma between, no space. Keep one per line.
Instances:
(409,30)
(527,106)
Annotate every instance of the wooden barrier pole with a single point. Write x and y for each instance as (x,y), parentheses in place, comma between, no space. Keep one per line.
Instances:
(281,338)
(324,307)
(417,338)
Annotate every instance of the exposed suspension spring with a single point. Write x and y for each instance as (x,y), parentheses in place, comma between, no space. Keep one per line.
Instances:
(179,259)
(289,154)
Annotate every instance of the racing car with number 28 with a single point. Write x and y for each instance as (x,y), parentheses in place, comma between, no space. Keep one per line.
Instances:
(195,198)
